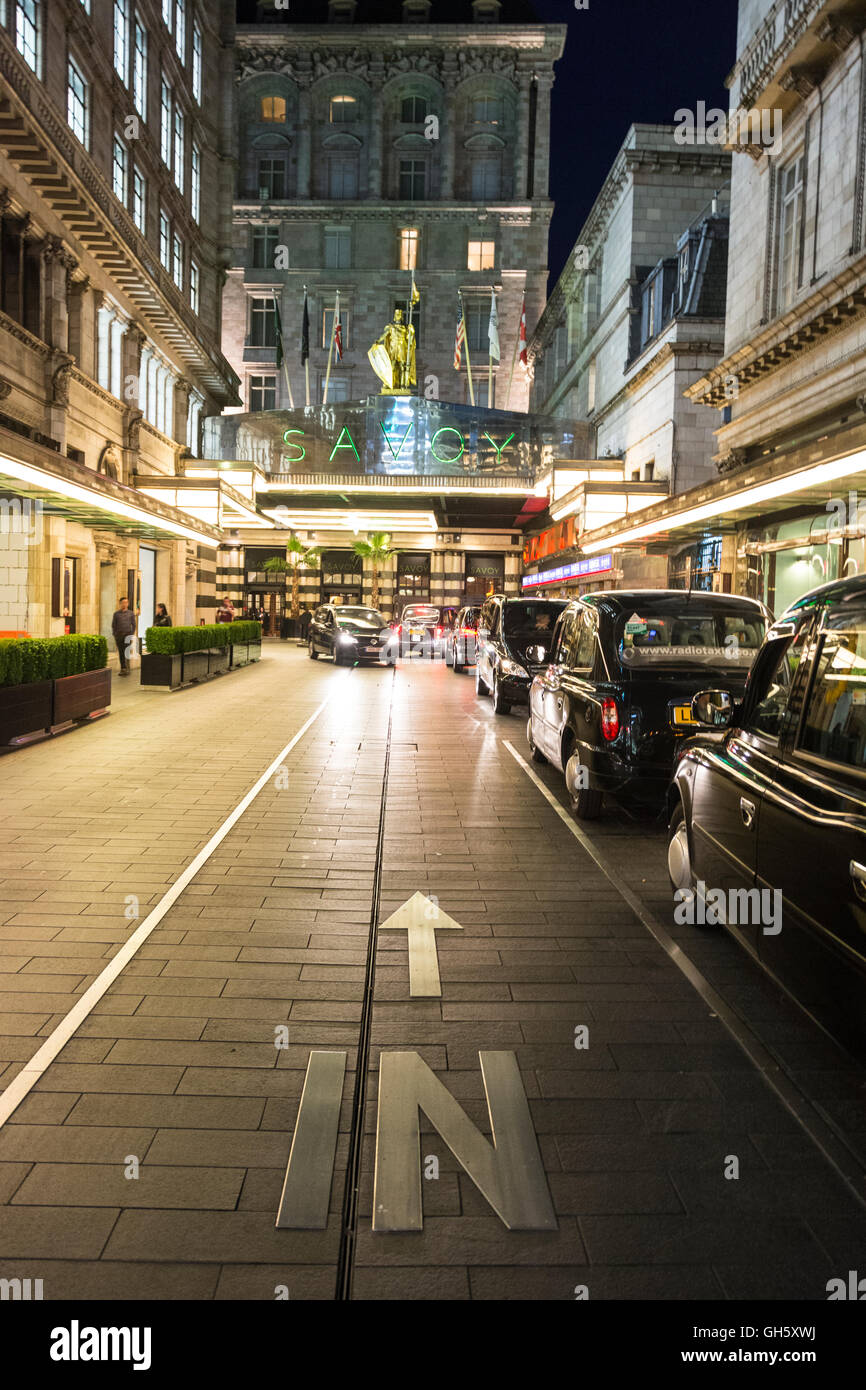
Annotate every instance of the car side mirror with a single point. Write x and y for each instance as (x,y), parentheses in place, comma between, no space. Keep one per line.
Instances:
(713,707)
(536,654)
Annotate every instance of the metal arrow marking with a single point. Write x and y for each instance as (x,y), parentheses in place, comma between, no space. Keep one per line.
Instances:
(421,919)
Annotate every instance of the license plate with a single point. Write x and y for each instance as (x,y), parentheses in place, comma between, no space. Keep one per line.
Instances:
(682,715)
(372,651)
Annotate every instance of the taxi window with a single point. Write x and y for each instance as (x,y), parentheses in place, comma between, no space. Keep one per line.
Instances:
(769,715)
(690,633)
(834,726)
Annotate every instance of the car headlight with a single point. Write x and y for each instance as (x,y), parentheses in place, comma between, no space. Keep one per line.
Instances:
(513,668)
(346,637)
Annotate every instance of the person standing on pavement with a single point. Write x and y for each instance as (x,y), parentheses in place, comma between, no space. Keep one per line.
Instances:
(161,617)
(226,612)
(123,626)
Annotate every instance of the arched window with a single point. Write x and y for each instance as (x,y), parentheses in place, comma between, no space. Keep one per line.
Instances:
(486,109)
(413,110)
(343,108)
(152,375)
(273,109)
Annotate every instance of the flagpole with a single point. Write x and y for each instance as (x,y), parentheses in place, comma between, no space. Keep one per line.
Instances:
(514,358)
(331,346)
(466,345)
(489,362)
(283,352)
(307,361)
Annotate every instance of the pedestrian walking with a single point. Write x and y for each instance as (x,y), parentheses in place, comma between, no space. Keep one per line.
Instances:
(306,619)
(123,626)
(161,617)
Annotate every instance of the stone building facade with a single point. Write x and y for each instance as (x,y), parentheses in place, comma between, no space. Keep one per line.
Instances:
(365,150)
(114,198)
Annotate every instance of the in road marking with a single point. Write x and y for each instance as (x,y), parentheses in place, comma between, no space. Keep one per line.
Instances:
(421,919)
(27,1078)
(845,1163)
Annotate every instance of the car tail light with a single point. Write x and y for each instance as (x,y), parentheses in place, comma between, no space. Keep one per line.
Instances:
(439,632)
(609,719)
(467,632)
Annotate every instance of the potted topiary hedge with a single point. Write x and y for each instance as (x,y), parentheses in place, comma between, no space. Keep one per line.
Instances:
(178,656)
(51,681)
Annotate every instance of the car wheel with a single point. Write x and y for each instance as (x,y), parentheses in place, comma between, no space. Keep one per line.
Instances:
(500,705)
(585,803)
(314,655)
(481,688)
(679,857)
(447,662)
(535,752)
(458,665)
(338,657)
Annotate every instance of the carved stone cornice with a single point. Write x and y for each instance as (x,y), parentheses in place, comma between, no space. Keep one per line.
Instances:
(834,30)
(797,80)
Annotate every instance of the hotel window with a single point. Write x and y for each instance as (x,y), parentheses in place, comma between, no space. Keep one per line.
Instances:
(177,261)
(413,179)
(178,148)
(272,178)
(77,100)
(273,109)
(180,29)
(481,256)
(27,35)
(486,110)
(164,239)
(263,329)
(121,39)
(120,170)
(409,248)
(328,328)
(193,425)
(343,109)
(166,13)
(263,393)
(165,122)
(477,320)
(194,287)
(413,110)
(139,70)
(195,182)
(196,61)
(116,355)
(338,388)
(649,310)
(265,242)
(139,200)
(338,248)
(343,177)
(486,177)
(103,360)
(591,379)
(791,209)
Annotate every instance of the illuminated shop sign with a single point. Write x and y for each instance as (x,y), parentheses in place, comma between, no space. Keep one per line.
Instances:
(598,564)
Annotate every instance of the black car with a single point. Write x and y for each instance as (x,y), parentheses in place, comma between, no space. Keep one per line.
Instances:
(615,699)
(507,628)
(350,634)
(460,639)
(770,799)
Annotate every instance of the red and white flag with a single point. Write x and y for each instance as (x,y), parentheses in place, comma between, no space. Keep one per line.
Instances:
(459,337)
(338,330)
(521,341)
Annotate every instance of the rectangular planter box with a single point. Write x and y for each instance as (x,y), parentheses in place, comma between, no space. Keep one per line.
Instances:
(76,697)
(255,651)
(217,660)
(240,654)
(24,709)
(157,669)
(194,667)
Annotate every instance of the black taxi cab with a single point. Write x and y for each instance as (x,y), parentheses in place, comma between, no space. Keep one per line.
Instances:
(615,700)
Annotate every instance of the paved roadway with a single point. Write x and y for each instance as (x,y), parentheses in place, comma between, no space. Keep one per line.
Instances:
(176,1065)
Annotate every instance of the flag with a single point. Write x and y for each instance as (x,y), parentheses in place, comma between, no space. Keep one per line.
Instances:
(521,342)
(305,332)
(278,331)
(459,337)
(338,330)
(416,295)
(493,328)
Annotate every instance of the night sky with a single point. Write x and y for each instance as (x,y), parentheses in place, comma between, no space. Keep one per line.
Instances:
(624,61)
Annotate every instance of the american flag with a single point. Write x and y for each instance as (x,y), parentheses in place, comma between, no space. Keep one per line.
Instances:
(459,337)
(338,331)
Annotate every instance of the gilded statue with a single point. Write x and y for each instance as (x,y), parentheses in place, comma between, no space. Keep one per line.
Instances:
(392,357)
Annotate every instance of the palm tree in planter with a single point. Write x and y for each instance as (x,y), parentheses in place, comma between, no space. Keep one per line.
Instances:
(377,550)
(298,556)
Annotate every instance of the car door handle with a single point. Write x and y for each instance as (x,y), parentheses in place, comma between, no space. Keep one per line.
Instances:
(858,878)
(747,811)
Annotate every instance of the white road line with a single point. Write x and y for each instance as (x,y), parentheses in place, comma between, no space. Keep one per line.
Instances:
(26,1079)
(845,1162)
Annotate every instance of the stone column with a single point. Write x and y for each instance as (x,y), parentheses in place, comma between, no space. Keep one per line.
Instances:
(304,136)
(57,264)
(377,116)
(540,187)
(448,124)
(134,340)
(521,149)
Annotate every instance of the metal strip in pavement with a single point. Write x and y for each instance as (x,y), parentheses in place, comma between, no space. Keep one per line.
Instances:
(842,1159)
(26,1079)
